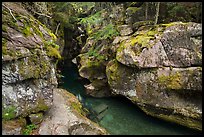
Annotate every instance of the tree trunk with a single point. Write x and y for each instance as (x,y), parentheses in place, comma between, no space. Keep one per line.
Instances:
(146,10)
(157,13)
(199,10)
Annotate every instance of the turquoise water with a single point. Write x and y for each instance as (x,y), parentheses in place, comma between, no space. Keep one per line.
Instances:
(122,116)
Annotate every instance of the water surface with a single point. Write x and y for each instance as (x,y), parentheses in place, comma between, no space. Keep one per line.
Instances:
(122,116)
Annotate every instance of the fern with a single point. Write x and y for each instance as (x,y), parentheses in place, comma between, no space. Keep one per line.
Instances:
(108,32)
(92,19)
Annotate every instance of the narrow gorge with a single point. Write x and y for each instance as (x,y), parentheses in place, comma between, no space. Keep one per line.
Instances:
(101,68)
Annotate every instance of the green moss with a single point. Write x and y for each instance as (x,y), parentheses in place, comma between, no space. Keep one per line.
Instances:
(4,50)
(112,71)
(28,129)
(36,66)
(52,49)
(4,27)
(132,10)
(172,24)
(41,106)
(26,31)
(172,81)
(4,46)
(37,31)
(9,113)
(143,41)
(78,107)
(53,52)
(136,25)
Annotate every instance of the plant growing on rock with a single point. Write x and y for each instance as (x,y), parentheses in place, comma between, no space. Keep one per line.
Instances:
(28,129)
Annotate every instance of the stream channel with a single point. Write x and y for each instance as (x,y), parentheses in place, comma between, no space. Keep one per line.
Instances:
(122,116)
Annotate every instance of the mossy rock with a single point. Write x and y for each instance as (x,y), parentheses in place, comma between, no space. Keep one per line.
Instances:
(33,67)
(172,81)
(188,122)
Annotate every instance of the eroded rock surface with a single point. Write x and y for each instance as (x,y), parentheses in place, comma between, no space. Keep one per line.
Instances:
(176,44)
(28,65)
(65,117)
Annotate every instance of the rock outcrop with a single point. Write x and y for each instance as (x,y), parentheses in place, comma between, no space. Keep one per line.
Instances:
(175,44)
(66,117)
(28,64)
(157,67)
(160,70)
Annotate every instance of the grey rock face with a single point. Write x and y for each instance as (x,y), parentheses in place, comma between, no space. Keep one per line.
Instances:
(28,74)
(125,30)
(177,90)
(63,119)
(36,118)
(178,45)
(159,69)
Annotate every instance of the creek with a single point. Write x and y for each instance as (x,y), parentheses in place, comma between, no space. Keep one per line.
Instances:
(122,116)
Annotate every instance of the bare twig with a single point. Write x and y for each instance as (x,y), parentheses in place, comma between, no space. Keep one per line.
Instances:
(42,14)
(57,28)
(10,13)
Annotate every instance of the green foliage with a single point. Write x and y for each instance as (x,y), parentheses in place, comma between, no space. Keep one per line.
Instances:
(176,9)
(28,129)
(82,6)
(108,32)
(96,54)
(9,113)
(52,44)
(91,20)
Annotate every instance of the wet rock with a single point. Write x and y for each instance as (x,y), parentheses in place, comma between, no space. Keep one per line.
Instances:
(98,112)
(65,117)
(173,94)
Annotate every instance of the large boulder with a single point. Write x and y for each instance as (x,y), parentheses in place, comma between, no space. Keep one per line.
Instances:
(159,68)
(28,64)
(92,66)
(176,44)
(66,117)
(173,94)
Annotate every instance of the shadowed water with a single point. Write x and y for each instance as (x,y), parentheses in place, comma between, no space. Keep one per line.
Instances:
(122,116)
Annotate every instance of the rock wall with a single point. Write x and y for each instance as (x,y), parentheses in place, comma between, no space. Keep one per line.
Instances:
(157,67)
(28,65)
(160,70)
(29,58)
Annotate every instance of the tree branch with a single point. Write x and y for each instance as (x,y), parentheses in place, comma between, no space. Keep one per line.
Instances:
(10,13)
(42,14)
(57,28)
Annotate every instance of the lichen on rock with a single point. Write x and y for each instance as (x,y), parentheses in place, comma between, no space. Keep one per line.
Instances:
(27,70)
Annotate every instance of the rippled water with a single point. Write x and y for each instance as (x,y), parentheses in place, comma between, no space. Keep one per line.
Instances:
(123,117)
